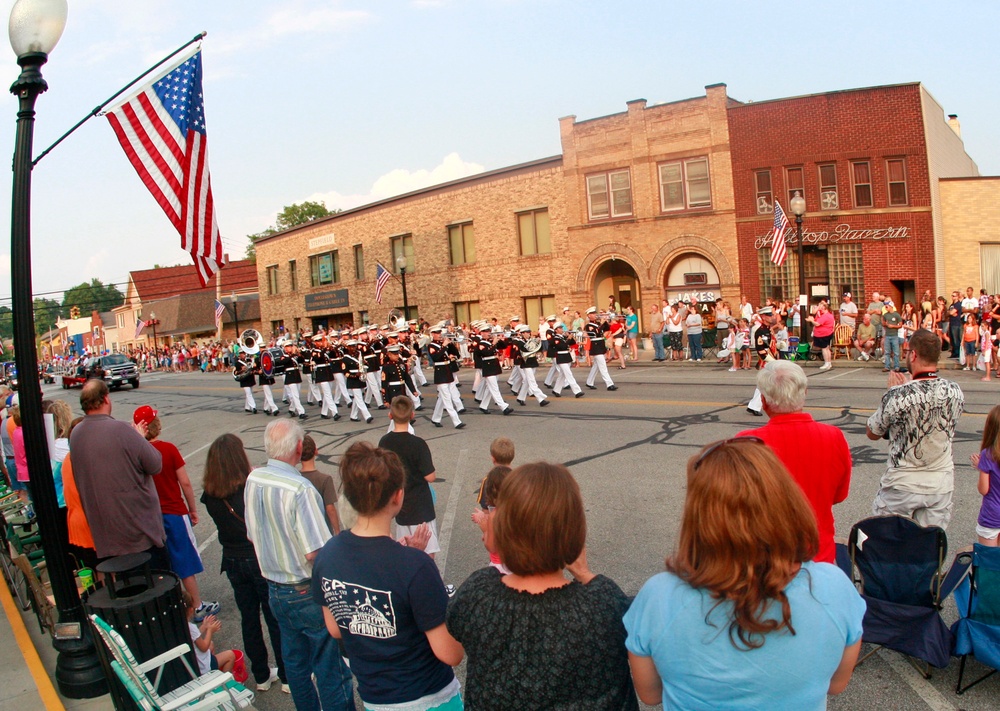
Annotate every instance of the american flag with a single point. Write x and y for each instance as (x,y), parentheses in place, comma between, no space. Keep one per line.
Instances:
(219,310)
(162,129)
(778,251)
(382,276)
(139,325)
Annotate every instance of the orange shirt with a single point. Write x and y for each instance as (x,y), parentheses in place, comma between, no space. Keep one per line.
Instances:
(76,518)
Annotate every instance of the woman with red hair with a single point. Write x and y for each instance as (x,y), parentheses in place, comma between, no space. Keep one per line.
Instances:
(743,618)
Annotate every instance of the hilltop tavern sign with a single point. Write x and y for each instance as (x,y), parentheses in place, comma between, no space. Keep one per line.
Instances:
(840,234)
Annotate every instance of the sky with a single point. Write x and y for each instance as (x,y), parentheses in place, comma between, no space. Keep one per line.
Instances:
(350,101)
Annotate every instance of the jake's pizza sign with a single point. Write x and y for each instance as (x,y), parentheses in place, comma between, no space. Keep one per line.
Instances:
(841,234)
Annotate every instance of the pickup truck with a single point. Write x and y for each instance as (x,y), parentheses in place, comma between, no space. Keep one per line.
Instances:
(115,369)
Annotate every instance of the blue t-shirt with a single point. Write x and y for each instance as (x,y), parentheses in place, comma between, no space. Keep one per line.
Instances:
(700,667)
(384,597)
(632,324)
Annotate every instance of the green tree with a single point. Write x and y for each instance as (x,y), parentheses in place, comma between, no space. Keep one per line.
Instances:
(6,322)
(93,296)
(291,216)
(47,311)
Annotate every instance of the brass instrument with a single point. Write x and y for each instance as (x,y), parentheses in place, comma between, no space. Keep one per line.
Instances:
(241,370)
(251,341)
(532,346)
(396,319)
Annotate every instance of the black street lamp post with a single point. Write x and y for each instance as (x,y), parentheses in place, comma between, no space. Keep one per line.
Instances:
(401,263)
(35,27)
(798,206)
(236,317)
(154,322)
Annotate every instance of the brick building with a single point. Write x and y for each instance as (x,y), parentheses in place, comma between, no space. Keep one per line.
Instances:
(868,163)
(970,211)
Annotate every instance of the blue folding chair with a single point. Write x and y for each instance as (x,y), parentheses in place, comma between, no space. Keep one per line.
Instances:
(977,631)
(900,572)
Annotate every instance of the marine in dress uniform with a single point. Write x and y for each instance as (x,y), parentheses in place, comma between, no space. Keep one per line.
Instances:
(550,377)
(596,333)
(265,382)
(355,377)
(529,364)
(441,359)
(406,355)
(564,359)
(323,377)
(762,343)
(289,364)
(307,354)
(245,365)
(490,364)
(514,379)
(371,352)
(337,365)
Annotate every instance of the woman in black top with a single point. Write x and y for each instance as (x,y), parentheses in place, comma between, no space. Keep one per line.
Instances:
(226,470)
(534,639)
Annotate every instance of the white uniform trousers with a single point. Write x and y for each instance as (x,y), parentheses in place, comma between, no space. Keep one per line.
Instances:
(600,366)
(373,388)
(550,377)
(249,403)
(326,397)
(444,403)
(269,405)
(418,373)
(529,386)
(392,426)
(492,391)
(564,378)
(340,388)
(415,396)
(291,392)
(478,385)
(456,396)
(312,389)
(514,381)
(358,404)
(756,404)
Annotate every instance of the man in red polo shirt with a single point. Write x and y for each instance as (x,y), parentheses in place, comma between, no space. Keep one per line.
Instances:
(816,454)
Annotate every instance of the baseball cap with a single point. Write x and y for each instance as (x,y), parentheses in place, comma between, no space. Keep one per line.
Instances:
(143,415)
(847,294)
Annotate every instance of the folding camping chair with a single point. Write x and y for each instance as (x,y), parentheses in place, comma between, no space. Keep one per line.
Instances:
(900,573)
(977,631)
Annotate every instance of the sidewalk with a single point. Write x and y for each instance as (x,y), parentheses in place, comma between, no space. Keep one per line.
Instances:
(28,661)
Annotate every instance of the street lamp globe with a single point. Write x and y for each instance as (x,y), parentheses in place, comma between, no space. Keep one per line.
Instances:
(35,26)
(152,315)
(797,205)
(401,262)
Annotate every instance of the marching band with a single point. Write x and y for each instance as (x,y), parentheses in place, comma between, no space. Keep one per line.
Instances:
(373,364)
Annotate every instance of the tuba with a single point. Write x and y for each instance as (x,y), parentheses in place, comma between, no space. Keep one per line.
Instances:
(396,319)
(251,341)
(532,346)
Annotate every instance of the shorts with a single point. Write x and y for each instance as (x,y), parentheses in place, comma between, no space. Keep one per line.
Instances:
(676,341)
(925,509)
(619,341)
(822,341)
(990,534)
(432,545)
(181,546)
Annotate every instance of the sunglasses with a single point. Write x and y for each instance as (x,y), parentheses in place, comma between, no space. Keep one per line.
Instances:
(722,443)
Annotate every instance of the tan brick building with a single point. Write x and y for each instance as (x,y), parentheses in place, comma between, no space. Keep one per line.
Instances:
(970,211)
(638,206)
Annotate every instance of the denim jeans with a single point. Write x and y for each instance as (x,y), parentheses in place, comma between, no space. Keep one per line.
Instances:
(251,596)
(891,351)
(658,351)
(694,341)
(955,331)
(308,649)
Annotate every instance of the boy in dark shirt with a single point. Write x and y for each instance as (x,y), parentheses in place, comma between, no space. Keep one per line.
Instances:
(418,504)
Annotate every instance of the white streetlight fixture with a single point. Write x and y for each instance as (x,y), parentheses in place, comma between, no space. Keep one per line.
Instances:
(35,26)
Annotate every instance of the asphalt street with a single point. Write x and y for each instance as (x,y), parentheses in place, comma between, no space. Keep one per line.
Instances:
(628,450)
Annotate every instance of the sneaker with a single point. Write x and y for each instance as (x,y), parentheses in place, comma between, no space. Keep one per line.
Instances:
(736,370)
(450,589)
(206,608)
(861,358)
(265,685)
(826,366)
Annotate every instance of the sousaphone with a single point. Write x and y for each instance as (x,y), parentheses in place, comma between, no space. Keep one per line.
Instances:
(251,341)
(396,320)
(532,346)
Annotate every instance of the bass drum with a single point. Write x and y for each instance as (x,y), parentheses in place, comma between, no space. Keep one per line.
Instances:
(272,362)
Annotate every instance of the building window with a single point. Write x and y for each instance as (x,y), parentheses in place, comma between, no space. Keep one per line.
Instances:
(829,199)
(533,232)
(684,185)
(538,307)
(462,243)
(609,195)
(324,269)
(278,328)
(466,312)
(363,318)
(272,280)
(895,168)
(298,325)
(862,184)
(293,275)
(402,245)
(359,262)
(762,181)
(794,183)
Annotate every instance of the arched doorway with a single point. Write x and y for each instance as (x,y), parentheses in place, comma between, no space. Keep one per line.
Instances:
(616,277)
(692,277)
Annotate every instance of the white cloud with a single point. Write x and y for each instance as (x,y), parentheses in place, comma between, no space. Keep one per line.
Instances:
(421,4)
(400,181)
(298,19)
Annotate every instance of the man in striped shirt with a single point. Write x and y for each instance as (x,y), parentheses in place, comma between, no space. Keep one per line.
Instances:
(285,523)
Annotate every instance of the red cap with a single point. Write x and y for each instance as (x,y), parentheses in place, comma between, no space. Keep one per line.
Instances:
(143,415)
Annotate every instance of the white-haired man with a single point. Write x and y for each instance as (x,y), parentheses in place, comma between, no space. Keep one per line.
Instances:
(815,454)
(286,524)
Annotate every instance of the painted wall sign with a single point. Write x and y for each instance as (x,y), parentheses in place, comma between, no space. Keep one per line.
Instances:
(840,234)
(322,241)
(327,300)
(689,296)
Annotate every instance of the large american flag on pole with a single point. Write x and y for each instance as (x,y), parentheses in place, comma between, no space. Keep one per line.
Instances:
(139,325)
(778,251)
(219,310)
(162,129)
(382,276)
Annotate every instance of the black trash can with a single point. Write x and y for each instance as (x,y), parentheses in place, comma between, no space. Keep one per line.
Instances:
(146,609)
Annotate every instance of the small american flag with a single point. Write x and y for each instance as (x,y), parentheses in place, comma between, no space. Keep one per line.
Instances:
(162,130)
(219,310)
(382,276)
(139,325)
(778,251)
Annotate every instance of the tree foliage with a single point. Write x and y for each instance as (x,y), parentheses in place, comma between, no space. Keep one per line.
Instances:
(94,296)
(291,216)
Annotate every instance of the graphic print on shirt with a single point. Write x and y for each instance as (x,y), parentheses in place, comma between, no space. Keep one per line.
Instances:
(362,611)
(928,417)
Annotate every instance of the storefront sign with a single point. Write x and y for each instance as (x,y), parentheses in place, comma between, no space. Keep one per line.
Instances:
(322,241)
(842,233)
(689,296)
(327,300)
